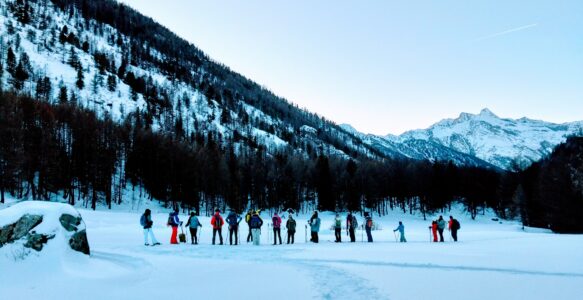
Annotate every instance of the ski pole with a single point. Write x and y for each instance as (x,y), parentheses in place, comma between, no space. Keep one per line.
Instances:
(430,234)
(306,234)
(395,234)
(362,233)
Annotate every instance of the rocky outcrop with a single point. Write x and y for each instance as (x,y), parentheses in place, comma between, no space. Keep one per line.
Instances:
(45,221)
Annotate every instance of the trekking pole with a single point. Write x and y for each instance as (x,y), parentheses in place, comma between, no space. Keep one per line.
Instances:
(362,233)
(306,234)
(395,234)
(430,234)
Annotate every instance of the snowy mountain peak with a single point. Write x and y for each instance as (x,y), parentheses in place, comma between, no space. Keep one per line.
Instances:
(499,141)
(485,112)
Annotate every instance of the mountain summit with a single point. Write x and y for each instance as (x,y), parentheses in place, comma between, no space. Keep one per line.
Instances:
(498,141)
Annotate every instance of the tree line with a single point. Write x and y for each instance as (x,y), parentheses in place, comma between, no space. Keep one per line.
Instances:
(51,151)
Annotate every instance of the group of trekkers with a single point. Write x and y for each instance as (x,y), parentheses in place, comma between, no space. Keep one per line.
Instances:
(438,226)
(254,223)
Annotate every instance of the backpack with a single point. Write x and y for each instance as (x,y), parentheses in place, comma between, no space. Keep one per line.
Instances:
(143,221)
(170,220)
(338,223)
(456,224)
(217,221)
(232,219)
(255,222)
(291,225)
(276,222)
(354,222)
(369,222)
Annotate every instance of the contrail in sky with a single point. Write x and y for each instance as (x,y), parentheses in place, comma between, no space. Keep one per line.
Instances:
(505,32)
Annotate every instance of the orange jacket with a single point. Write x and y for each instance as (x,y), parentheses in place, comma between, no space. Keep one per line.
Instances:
(217,221)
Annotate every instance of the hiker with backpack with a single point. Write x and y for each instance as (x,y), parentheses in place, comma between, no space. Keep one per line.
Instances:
(314,223)
(368,226)
(217,222)
(255,224)
(433,229)
(233,220)
(147,223)
(290,225)
(440,228)
(401,230)
(247,218)
(276,221)
(351,225)
(193,223)
(338,228)
(174,222)
(455,226)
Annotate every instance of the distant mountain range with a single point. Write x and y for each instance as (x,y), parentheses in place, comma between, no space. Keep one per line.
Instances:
(476,139)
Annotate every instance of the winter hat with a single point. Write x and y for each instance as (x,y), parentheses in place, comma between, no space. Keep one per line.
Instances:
(217,210)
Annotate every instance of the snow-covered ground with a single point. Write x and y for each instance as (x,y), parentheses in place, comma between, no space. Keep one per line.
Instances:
(491,261)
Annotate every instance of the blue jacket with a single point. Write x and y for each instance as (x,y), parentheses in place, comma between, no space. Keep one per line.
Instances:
(175,219)
(315,224)
(193,222)
(401,229)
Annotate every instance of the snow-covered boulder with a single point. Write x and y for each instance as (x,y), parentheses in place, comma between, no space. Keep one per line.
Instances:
(34,224)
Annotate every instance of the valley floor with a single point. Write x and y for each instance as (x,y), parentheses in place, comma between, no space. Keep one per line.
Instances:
(491,261)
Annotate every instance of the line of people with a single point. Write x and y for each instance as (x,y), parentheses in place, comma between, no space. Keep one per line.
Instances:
(254,223)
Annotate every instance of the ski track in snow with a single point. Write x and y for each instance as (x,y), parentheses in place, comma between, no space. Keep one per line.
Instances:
(329,281)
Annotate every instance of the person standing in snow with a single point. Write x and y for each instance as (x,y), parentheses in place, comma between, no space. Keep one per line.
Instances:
(276,221)
(217,222)
(147,223)
(338,228)
(401,229)
(193,223)
(368,226)
(290,225)
(454,227)
(440,227)
(351,225)
(255,224)
(433,228)
(233,220)
(174,222)
(314,223)
(247,219)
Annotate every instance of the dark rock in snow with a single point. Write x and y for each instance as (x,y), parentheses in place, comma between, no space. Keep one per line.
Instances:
(78,242)
(36,240)
(69,222)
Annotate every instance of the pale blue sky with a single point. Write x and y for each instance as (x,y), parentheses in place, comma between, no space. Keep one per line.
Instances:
(390,66)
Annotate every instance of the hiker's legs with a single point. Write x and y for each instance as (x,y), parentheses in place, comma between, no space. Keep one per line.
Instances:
(173,239)
(192,234)
(440,235)
(352,235)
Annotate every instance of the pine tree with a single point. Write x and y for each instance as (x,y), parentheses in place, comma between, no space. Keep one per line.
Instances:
(20,76)
(74,59)
(63,98)
(21,10)
(80,79)
(10,61)
(111,83)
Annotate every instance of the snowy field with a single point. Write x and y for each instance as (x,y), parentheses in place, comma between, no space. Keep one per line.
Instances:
(491,261)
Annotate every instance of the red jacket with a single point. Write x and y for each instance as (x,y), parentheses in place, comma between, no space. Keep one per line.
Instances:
(434,227)
(217,221)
